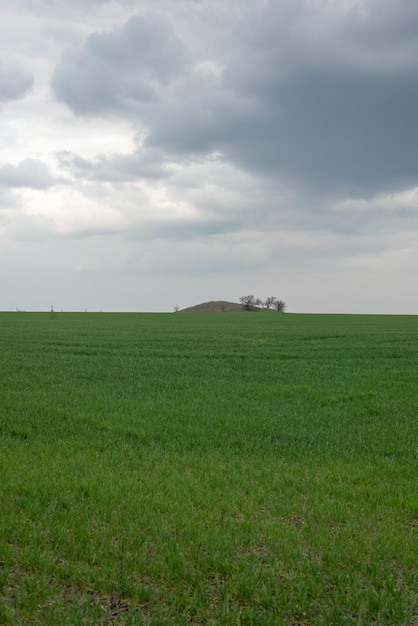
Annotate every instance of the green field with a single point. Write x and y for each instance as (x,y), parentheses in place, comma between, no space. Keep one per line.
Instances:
(208,469)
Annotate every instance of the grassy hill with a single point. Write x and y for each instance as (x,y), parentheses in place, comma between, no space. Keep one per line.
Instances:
(221,306)
(215,306)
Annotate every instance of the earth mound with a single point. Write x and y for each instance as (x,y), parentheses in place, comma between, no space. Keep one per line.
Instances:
(214,306)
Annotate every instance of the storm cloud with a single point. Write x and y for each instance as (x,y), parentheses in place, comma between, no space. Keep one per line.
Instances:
(283,103)
(121,71)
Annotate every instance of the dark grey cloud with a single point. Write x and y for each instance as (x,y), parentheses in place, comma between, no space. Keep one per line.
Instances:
(122,70)
(324,115)
(323,99)
(333,129)
(15,82)
(383,24)
(30,173)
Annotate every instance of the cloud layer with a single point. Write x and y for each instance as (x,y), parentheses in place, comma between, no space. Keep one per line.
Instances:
(236,140)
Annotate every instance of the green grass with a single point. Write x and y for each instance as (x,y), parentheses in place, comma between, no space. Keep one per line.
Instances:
(208,469)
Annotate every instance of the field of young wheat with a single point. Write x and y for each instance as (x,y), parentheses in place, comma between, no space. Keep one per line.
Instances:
(208,469)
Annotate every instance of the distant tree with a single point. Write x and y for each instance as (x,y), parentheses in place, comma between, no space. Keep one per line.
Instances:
(248,302)
(280,306)
(176,309)
(269,302)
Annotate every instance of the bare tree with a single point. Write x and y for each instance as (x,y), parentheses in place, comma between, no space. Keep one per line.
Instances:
(280,306)
(251,303)
(269,302)
(248,302)
(176,309)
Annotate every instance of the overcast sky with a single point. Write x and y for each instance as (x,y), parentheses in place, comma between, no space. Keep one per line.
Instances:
(168,152)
